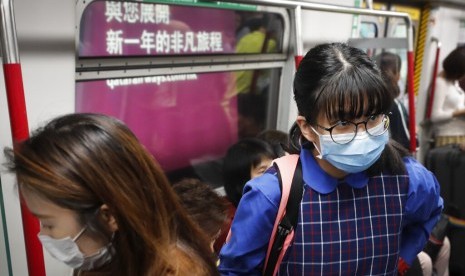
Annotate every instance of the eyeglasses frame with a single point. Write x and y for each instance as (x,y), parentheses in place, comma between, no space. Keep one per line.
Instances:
(330,129)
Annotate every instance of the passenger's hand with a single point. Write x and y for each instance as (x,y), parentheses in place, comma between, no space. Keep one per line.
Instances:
(459,113)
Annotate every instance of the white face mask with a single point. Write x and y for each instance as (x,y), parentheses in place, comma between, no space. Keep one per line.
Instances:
(67,251)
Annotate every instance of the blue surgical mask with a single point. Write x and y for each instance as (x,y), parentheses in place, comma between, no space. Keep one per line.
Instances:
(355,156)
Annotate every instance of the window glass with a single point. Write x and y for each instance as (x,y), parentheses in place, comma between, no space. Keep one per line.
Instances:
(187,121)
(461,34)
(118,29)
(368,30)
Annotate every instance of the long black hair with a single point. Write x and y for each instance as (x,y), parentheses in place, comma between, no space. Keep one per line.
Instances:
(454,64)
(343,83)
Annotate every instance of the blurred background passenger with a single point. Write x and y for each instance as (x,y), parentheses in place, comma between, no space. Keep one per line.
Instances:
(258,40)
(448,112)
(203,205)
(244,160)
(278,140)
(390,65)
(104,205)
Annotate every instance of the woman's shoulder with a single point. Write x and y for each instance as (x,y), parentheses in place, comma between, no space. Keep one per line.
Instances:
(442,82)
(412,164)
(416,171)
(186,262)
(266,185)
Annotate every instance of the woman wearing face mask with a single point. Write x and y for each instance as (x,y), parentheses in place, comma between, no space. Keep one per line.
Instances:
(367,208)
(104,204)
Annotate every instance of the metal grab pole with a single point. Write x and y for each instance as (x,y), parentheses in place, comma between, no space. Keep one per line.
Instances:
(298,36)
(349,10)
(19,126)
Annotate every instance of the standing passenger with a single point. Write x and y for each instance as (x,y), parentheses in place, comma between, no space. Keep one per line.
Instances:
(367,207)
(390,64)
(448,112)
(104,205)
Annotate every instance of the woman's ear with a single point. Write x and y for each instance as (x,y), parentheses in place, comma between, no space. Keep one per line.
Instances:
(108,218)
(305,128)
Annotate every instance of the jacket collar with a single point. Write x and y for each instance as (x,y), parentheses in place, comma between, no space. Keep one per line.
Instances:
(320,181)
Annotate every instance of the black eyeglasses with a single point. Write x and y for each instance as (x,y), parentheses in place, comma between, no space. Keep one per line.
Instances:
(344,132)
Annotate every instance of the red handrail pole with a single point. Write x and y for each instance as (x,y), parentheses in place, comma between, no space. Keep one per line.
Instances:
(433,80)
(411,102)
(19,126)
(410,86)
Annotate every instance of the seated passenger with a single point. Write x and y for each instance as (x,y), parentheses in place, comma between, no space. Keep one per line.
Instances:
(104,205)
(203,205)
(435,256)
(438,266)
(278,140)
(246,159)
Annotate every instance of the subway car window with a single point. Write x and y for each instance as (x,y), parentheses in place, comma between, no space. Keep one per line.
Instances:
(399,29)
(187,121)
(119,29)
(368,30)
(187,116)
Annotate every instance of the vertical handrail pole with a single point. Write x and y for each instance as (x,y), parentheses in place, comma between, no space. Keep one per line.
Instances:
(410,85)
(298,36)
(433,80)
(19,126)
(369,4)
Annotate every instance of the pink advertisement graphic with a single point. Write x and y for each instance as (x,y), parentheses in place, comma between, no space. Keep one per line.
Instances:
(181,119)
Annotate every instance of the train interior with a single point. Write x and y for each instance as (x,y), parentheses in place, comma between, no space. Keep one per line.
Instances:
(191,78)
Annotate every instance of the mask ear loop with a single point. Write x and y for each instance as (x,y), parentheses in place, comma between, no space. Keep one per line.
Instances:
(319,156)
(80,233)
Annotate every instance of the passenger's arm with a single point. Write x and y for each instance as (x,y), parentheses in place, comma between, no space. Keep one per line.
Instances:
(438,113)
(245,252)
(423,208)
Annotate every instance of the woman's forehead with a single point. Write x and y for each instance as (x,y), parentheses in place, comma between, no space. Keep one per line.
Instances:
(350,105)
(324,117)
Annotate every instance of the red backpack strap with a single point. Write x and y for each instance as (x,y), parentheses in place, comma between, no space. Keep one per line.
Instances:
(286,166)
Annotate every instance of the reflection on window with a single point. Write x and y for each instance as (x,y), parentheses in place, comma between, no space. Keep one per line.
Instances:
(368,30)
(400,30)
(186,121)
(258,33)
